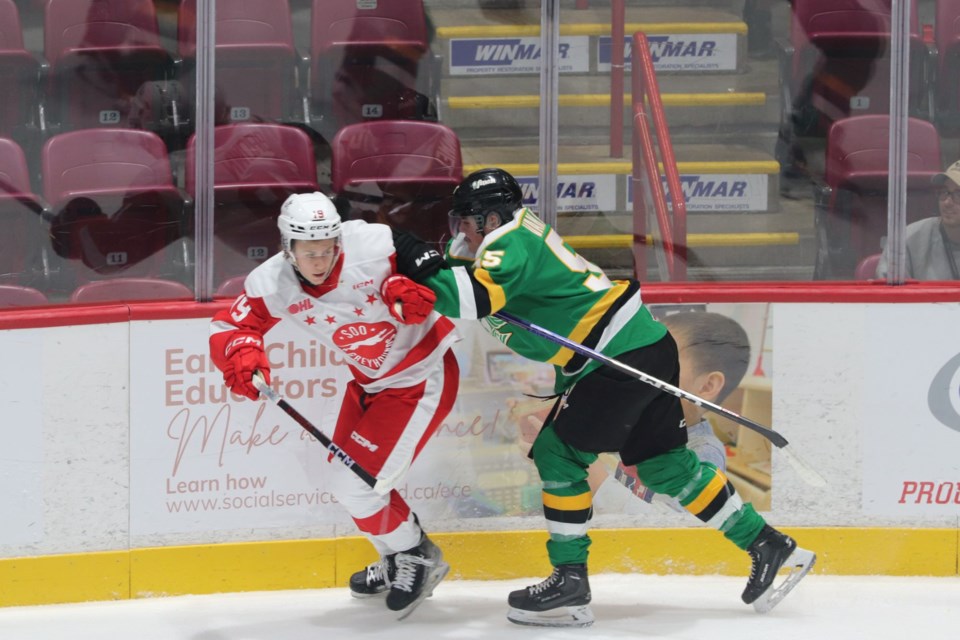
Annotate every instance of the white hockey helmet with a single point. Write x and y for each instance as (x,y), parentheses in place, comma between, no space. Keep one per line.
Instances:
(307,216)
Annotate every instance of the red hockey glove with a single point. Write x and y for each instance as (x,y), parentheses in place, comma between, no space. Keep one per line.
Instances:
(408,302)
(245,356)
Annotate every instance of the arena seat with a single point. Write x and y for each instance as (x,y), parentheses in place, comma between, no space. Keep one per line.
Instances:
(14,175)
(867,267)
(16,296)
(18,75)
(371,61)
(231,288)
(838,64)
(255,59)
(100,53)
(114,209)
(256,167)
(23,239)
(851,207)
(399,172)
(123,289)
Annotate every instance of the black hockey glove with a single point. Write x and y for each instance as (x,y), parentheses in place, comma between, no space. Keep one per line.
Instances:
(416,259)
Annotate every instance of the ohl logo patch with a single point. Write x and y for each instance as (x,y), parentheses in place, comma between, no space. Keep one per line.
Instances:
(943,398)
(366,343)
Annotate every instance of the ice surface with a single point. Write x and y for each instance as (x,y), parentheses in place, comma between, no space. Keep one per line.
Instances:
(626,606)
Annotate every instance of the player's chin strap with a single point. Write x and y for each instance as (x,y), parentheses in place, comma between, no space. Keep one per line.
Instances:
(381,486)
(805,471)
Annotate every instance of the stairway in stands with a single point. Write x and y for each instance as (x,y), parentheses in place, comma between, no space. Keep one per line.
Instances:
(722,107)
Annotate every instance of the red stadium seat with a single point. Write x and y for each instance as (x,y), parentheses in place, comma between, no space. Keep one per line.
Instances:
(839,65)
(115,210)
(255,58)
(123,289)
(371,61)
(399,172)
(851,209)
(256,167)
(18,74)
(14,296)
(14,175)
(24,238)
(231,288)
(100,53)
(867,267)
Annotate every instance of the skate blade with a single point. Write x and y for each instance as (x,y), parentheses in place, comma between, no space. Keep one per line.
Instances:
(364,596)
(437,573)
(800,562)
(581,616)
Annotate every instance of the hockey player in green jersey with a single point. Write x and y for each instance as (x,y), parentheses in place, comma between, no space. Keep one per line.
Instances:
(503,257)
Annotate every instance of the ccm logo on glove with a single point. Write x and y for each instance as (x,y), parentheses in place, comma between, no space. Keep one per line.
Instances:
(407,301)
(243,341)
(245,356)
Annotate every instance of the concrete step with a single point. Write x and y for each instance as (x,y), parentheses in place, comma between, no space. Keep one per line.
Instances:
(505,41)
(778,263)
(737,221)
(748,256)
(481,106)
(754,239)
(763,241)
(716,178)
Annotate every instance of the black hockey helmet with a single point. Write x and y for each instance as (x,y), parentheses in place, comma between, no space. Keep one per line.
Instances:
(487,191)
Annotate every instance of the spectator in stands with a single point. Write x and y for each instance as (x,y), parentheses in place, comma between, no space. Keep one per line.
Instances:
(933,244)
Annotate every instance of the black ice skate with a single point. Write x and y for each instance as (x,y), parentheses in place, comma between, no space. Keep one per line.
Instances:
(418,571)
(771,552)
(562,600)
(373,580)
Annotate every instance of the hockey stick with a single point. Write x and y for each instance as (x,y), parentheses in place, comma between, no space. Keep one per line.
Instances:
(337,452)
(805,471)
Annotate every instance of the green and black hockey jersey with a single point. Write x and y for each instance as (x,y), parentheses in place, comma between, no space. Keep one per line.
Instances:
(526,269)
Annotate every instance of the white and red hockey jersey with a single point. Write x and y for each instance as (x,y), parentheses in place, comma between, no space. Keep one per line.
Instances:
(345,313)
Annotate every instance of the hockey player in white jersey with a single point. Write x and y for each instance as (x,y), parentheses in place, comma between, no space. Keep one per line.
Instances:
(330,280)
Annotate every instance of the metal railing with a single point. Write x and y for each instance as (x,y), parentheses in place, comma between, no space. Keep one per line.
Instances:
(650,134)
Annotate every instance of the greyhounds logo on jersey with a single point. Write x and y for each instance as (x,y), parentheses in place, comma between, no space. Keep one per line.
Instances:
(367,343)
(495,328)
(944,394)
